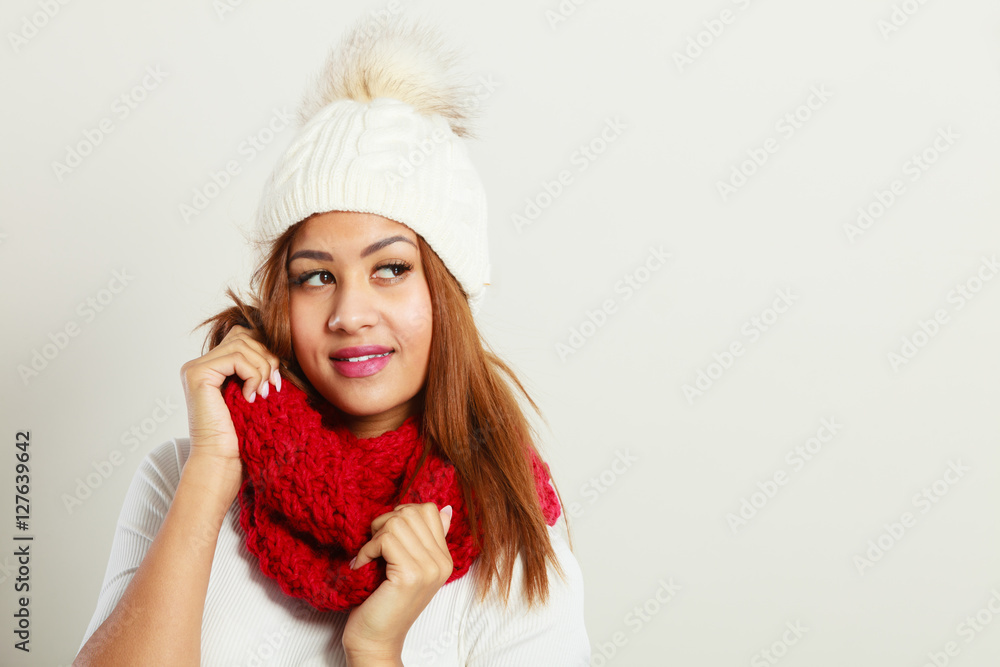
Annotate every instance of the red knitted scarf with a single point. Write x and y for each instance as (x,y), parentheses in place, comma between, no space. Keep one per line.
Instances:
(311,489)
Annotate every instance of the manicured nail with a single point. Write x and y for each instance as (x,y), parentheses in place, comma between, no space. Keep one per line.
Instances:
(263,392)
(276,379)
(351,565)
(253,397)
(447,510)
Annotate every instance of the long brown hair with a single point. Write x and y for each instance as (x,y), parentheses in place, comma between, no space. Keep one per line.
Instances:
(471,415)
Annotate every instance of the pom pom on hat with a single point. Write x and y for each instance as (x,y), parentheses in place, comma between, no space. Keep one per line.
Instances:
(407,61)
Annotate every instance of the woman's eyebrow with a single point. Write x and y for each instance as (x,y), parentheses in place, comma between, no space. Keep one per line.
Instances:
(378,245)
(375,247)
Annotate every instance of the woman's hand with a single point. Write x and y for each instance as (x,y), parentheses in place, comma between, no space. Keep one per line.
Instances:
(209,421)
(411,539)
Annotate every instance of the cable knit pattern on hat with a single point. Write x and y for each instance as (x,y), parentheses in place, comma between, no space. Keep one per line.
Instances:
(311,489)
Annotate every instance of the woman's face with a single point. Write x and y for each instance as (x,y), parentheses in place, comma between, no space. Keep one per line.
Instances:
(355,281)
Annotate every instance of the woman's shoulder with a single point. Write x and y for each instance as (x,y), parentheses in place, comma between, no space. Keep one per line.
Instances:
(568,588)
(173,452)
(162,465)
(512,631)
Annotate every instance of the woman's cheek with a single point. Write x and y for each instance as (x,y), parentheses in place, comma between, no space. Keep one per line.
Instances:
(416,314)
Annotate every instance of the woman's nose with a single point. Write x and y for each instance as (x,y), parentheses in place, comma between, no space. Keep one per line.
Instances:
(354,307)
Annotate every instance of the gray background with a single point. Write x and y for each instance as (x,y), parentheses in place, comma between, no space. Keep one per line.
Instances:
(660,515)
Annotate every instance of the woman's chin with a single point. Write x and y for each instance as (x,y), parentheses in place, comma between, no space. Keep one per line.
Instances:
(367,407)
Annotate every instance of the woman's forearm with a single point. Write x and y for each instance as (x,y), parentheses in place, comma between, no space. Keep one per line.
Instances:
(158,619)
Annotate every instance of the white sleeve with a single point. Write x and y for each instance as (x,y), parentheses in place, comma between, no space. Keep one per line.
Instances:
(553,634)
(145,506)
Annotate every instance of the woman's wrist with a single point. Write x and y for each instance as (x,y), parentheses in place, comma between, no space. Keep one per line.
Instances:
(366,661)
(373,662)
(373,656)
(220,477)
(369,660)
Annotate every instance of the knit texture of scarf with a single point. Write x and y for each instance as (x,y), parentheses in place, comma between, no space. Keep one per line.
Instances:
(311,490)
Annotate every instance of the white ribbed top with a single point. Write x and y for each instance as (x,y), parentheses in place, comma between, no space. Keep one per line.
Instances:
(250,622)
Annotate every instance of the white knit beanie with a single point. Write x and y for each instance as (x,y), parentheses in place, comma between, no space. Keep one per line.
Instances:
(383,132)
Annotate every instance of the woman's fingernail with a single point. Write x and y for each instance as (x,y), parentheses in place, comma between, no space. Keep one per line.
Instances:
(447,510)
(351,565)
(276,379)
(253,397)
(266,388)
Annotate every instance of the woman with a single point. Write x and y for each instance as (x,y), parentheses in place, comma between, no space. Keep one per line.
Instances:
(233,544)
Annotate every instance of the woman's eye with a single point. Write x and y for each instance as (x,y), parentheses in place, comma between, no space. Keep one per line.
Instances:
(309,278)
(391,271)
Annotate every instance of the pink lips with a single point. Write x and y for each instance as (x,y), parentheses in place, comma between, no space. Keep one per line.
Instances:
(363,367)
